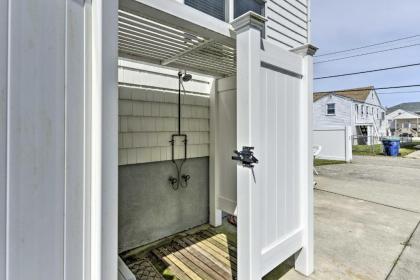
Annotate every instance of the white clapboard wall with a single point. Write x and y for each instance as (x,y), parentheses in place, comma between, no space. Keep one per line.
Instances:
(287,22)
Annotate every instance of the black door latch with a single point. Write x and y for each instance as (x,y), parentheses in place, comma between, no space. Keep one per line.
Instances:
(246,158)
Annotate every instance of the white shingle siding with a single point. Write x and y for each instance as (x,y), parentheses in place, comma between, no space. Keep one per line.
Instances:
(287,23)
(148,114)
(145,127)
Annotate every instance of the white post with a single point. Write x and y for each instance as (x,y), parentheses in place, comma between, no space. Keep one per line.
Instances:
(104,144)
(215,214)
(248,29)
(304,262)
(349,147)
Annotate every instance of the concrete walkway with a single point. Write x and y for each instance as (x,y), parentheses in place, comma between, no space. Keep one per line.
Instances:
(415,155)
(367,216)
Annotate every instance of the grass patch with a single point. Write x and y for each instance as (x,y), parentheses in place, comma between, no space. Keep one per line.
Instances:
(376,150)
(319,162)
(368,150)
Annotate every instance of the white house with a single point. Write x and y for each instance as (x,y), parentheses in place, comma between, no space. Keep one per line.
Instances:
(406,106)
(403,123)
(359,108)
(68,96)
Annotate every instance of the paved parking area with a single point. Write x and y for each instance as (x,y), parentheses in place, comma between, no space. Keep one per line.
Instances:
(367,216)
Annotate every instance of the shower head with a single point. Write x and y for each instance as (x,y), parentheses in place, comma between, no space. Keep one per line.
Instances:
(187,77)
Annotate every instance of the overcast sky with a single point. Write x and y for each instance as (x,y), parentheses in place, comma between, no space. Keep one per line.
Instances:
(344,24)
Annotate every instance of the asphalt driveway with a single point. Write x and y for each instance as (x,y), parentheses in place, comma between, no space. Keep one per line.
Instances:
(367,216)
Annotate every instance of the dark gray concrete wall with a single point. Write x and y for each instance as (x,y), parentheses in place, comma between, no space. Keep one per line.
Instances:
(149,209)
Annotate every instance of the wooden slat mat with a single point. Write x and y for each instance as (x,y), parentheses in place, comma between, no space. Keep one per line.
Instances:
(204,255)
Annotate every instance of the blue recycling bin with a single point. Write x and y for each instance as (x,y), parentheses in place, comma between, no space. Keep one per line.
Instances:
(391,147)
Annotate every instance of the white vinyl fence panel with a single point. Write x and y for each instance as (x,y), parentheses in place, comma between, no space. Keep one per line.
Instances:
(271,106)
(225,139)
(335,142)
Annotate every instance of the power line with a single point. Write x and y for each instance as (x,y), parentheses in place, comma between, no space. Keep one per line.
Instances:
(368,46)
(375,88)
(368,53)
(396,92)
(367,71)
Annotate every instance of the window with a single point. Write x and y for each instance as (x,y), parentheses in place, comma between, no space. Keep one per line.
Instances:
(244,6)
(215,8)
(383,115)
(331,109)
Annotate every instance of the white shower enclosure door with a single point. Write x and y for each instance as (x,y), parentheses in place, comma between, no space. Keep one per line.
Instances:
(272,105)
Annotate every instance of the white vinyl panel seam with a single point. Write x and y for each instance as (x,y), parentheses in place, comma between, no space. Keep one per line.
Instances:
(295,117)
(277,90)
(96,141)
(9,31)
(285,156)
(66,18)
(4,149)
(264,166)
(288,154)
(272,166)
(87,151)
(294,160)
